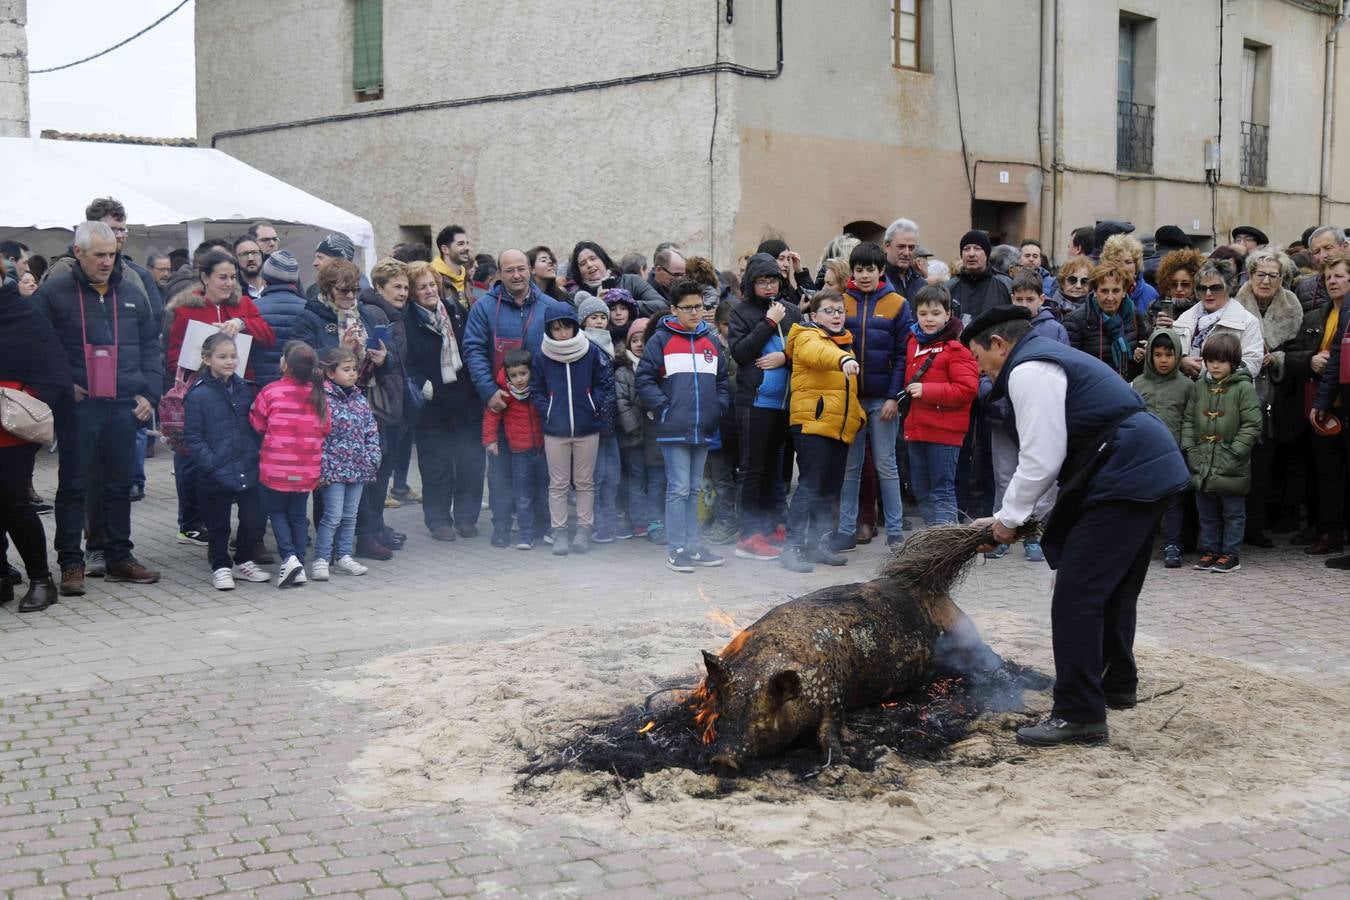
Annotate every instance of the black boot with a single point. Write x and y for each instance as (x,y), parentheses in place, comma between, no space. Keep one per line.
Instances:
(41,594)
(6,589)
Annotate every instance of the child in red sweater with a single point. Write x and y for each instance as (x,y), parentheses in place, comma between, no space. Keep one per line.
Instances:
(525,443)
(292,416)
(941,379)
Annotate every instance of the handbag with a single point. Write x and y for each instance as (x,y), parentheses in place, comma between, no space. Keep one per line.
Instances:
(100,360)
(903,402)
(26,417)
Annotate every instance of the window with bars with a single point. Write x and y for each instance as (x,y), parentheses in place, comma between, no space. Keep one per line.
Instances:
(368,49)
(1255,113)
(905,34)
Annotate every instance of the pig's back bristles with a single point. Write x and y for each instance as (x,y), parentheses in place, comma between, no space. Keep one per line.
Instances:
(933,560)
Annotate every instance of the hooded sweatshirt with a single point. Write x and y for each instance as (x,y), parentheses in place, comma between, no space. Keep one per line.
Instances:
(1164,395)
(751,335)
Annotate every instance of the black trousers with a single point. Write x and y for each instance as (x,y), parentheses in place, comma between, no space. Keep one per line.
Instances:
(451,459)
(763,435)
(1329,462)
(370,514)
(18,518)
(104,430)
(1100,572)
(216,506)
(821,462)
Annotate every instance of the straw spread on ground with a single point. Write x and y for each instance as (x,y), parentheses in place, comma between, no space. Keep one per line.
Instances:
(1212,740)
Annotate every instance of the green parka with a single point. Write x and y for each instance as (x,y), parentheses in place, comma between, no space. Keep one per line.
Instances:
(1165,395)
(1220,428)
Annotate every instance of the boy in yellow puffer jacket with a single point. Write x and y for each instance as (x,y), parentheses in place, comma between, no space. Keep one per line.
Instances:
(824,416)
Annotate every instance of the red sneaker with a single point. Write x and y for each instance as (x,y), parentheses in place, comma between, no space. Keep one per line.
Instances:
(779,536)
(757,546)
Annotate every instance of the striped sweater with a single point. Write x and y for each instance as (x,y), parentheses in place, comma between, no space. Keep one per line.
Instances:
(292,446)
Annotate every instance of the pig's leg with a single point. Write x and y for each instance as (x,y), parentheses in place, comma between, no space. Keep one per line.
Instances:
(830,735)
(961,647)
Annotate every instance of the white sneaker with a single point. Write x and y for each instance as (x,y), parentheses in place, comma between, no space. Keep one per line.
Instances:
(348,566)
(249,571)
(300,576)
(319,569)
(222,579)
(289,571)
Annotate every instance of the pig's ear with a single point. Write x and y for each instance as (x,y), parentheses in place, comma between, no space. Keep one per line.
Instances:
(785,686)
(718,676)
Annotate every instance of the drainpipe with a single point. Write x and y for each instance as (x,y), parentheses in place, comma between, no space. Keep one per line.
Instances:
(1047,109)
(1328,107)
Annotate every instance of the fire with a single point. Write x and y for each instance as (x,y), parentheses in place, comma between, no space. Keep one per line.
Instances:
(648,727)
(735,645)
(717,614)
(703,699)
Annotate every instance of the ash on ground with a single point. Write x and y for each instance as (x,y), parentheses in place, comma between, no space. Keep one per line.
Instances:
(921,726)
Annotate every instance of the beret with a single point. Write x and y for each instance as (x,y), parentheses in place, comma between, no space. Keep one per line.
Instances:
(996,315)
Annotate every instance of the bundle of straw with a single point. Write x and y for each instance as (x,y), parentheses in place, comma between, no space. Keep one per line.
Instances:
(935,559)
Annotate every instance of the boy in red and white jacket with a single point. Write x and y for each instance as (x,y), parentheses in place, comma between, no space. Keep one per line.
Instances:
(941,379)
(524,443)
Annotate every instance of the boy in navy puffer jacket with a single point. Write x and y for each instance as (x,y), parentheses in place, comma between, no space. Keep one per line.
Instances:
(682,383)
(572,385)
(351,457)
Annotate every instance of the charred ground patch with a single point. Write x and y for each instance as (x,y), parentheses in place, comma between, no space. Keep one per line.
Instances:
(666,732)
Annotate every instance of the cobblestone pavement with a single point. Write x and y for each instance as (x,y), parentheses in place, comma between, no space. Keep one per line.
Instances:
(170,740)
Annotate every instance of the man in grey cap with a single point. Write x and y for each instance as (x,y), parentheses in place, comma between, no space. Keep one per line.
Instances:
(335,245)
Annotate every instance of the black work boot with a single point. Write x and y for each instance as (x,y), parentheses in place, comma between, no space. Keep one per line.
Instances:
(1056,732)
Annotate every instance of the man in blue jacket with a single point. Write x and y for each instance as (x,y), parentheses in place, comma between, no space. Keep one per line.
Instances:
(108,331)
(509,316)
(1083,429)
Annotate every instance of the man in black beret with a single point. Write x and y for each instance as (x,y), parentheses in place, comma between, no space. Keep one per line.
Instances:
(1166,239)
(1084,432)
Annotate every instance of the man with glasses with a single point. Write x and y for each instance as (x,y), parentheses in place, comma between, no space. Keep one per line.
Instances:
(1312,290)
(161,269)
(250,258)
(266,236)
(667,267)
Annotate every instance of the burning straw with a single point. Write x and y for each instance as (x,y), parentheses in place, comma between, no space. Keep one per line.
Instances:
(934,560)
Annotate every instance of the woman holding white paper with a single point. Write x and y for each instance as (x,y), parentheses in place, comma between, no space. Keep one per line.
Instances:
(216,301)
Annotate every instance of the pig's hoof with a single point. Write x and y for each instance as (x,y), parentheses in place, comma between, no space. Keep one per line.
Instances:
(725,764)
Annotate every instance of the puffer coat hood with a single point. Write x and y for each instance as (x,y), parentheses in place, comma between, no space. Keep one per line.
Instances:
(1164,395)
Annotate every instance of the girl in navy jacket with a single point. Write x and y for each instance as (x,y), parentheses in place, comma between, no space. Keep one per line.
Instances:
(572,384)
(224,452)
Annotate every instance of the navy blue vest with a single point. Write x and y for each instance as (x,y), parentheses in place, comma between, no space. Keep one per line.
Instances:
(1147,464)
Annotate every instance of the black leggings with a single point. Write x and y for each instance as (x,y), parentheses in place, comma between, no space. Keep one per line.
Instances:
(17,513)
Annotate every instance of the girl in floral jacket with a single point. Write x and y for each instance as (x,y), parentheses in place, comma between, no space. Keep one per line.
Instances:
(351,457)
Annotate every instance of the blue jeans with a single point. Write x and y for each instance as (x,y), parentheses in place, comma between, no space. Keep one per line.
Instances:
(932,473)
(634,460)
(142,439)
(501,495)
(337,529)
(882,436)
(529,481)
(1223,519)
(608,469)
(288,513)
(684,471)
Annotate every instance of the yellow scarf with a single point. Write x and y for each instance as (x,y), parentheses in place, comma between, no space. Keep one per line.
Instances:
(457,281)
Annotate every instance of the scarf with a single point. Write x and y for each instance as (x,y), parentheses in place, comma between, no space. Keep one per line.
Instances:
(437,321)
(521,394)
(351,330)
(456,281)
(602,339)
(949,332)
(568,351)
(1203,326)
(1114,325)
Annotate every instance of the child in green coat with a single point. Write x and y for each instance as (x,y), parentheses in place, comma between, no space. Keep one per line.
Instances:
(1165,391)
(1220,428)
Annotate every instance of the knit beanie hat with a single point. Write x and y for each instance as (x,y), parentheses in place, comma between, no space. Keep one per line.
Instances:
(588,305)
(337,244)
(281,268)
(638,327)
(975,236)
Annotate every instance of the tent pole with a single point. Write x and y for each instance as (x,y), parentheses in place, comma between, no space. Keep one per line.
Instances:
(196,233)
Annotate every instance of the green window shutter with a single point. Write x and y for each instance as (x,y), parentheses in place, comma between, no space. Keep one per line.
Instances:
(368,55)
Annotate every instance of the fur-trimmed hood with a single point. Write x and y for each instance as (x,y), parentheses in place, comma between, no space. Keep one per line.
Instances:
(1281,321)
(197,298)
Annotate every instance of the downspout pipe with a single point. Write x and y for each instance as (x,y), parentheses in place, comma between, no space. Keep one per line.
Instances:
(1328,110)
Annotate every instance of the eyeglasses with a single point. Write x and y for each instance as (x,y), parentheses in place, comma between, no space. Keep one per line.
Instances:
(348,291)
(1266,276)
(267,240)
(766,282)
(1072,280)
(686,308)
(670,273)
(1210,288)
(830,311)
(250,253)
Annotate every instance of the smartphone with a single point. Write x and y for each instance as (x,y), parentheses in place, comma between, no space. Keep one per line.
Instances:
(378,335)
(1167,308)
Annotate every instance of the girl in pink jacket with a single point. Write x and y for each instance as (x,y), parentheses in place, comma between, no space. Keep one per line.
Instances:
(291,414)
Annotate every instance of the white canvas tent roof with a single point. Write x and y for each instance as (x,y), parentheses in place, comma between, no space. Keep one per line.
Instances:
(49,183)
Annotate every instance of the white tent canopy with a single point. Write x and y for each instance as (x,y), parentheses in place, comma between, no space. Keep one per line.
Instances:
(49,183)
